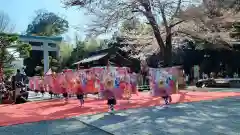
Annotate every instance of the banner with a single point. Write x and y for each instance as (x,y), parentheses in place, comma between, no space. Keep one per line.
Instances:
(162,81)
(108,81)
(133,81)
(98,76)
(71,78)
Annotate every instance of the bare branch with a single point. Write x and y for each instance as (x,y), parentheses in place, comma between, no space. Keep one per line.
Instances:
(176,23)
(5,21)
(10,58)
(162,11)
(177,9)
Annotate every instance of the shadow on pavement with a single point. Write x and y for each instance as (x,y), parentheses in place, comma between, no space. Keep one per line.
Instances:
(57,127)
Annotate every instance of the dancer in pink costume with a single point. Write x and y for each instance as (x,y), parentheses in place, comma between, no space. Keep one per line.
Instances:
(160,85)
(64,93)
(80,93)
(134,83)
(41,86)
(168,91)
(36,84)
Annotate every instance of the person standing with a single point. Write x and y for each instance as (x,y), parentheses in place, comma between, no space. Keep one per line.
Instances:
(17,84)
(19,78)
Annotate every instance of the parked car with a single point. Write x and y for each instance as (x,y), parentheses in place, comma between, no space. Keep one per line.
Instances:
(215,82)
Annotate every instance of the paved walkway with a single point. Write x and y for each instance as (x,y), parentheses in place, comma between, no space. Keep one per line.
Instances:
(218,117)
(38,97)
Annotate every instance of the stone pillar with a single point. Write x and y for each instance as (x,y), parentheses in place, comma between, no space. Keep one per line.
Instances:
(58,54)
(45,57)
(58,49)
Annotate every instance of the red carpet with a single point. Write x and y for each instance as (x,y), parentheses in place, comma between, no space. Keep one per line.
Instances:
(56,109)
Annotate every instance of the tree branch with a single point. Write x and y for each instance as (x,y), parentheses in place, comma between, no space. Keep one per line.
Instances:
(179,22)
(197,37)
(11,57)
(162,11)
(177,9)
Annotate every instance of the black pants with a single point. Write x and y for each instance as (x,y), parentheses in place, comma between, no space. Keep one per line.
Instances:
(112,101)
(20,100)
(65,95)
(25,95)
(36,91)
(81,98)
(167,99)
(42,91)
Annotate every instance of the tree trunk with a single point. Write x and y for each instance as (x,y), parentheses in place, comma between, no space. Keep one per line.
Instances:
(167,52)
(1,72)
(152,21)
(165,49)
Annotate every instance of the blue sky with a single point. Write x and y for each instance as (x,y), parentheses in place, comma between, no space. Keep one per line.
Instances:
(22,12)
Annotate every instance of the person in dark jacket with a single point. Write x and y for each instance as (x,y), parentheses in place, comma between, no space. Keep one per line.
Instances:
(19,77)
(20,96)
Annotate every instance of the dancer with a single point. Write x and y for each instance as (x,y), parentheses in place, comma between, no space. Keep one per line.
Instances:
(42,90)
(134,83)
(65,94)
(36,92)
(41,86)
(166,92)
(167,98)
(111,103)
(79,93)
(111,100)
(50,93)
(36,86)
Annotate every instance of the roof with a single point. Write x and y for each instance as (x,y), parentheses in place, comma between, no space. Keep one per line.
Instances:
(53,38)
(92,58)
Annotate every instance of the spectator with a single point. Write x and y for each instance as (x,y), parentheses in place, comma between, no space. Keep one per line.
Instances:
(20,96)
(19,77)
